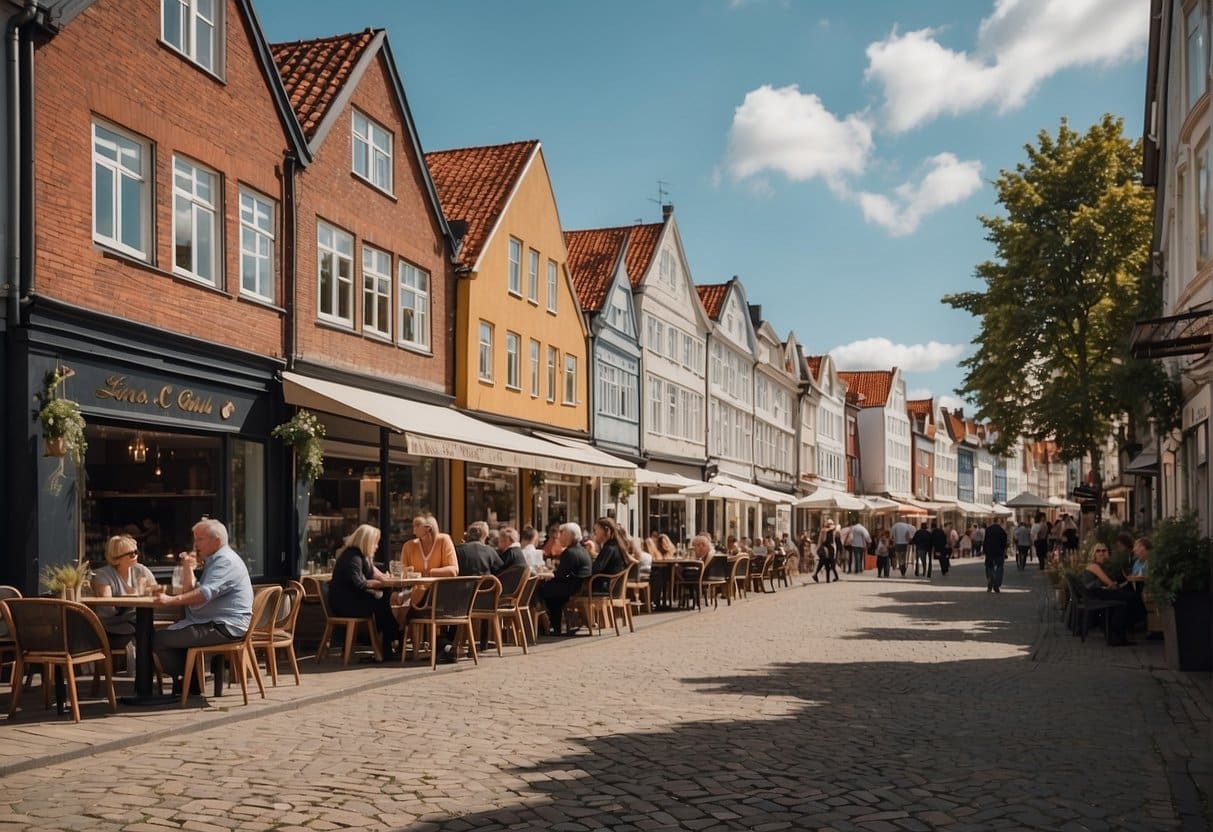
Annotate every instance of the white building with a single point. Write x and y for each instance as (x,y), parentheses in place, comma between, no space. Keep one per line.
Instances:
(776,395)
(884,430)
(945,482)
(827,404)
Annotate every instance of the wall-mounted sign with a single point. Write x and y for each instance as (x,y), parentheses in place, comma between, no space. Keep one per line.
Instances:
(167,397)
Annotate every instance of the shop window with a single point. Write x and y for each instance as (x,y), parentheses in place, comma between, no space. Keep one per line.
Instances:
(247,511)
(491,494)
(561,502)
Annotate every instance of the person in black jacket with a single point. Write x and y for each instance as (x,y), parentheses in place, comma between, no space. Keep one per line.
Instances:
(612,543)
(509,551)
(574,567)
(921,541)
(995,546)
(939,548)
(474,555)
(354,590)
(829,546)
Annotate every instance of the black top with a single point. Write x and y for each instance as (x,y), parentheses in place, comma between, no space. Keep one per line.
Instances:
(476,558)
(939,539)
(921,539)
(348,590)
(609,562)
(511,557)
(574,565)
(995,544)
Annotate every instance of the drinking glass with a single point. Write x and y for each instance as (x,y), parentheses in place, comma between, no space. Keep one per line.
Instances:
(141,587)
(395,568)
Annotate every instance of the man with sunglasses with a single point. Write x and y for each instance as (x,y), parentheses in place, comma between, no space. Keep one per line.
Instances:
(218,607)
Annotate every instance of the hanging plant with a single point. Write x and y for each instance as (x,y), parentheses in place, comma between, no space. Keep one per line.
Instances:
(62,425)
(621,489)
(538,478)
(304,432)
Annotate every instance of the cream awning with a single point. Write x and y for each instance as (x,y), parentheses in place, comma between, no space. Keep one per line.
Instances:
(660,479)
(446,433)
(760,492)
(588,453)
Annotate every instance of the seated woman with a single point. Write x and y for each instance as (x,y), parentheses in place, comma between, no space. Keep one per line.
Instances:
(610,560)
(121,575)
(665,547)
(431,554)
(1101,587)
(354,591)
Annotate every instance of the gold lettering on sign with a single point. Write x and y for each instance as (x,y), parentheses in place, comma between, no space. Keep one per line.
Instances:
(227,410)
(165,399)
(190,403)
(116,388)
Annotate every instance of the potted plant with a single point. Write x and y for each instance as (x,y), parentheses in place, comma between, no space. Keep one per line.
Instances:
(304,433)
(538,478)
(621,489)
(62,425)
(65,579)
(1177,578)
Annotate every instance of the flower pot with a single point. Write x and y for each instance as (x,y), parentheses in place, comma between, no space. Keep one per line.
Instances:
(1188,632)
(55,446)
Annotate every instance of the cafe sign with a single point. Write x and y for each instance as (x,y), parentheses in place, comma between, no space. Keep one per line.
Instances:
(168,397)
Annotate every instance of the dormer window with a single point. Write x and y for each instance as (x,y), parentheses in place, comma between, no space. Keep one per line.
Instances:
(194,28)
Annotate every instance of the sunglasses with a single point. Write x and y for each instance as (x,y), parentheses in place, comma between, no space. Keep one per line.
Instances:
(133,553)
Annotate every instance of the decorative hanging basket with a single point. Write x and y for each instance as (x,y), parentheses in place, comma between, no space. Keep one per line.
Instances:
(55,446)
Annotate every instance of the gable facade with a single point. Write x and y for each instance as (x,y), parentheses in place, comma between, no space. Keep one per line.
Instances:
(776,407)
(830,420)
(732,350)
(944,483)
(884,431)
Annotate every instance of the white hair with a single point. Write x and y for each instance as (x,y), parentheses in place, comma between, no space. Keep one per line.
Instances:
(573,529)
(213,528)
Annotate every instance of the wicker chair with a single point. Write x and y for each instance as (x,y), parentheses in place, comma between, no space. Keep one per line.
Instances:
(781,566)
(760,573)
(597,607)
(449,604)
(51,632)
(739,579)
(320,590)
(484,610)
(281,636)
(238,654)
(509,609)
(8,647)
(530,617)
(639,591)
(715,579)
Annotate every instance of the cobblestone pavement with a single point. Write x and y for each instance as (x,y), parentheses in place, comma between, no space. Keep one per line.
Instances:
(873,705)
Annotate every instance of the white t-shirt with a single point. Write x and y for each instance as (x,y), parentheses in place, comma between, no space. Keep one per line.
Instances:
(534,557)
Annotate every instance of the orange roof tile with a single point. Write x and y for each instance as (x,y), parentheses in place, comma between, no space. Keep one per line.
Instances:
(314,71)
(814,364)
(712,296)
(592,257)
(872,385)
(922,408)
(642,245)
(473,185)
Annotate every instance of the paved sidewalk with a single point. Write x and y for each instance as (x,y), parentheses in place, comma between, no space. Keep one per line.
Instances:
(866,705)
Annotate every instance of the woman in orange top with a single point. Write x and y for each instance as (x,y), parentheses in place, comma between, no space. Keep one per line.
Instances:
(430,553)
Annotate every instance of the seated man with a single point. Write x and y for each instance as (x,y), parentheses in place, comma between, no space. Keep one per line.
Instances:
(476,557)
(571,572)
(509,551)
(217,609)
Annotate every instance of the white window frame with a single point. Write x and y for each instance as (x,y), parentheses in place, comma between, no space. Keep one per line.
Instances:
(532,276)
(553,372)
(570,379)
(376,143)
(553,285)
(376,291)
(514,278)
(414,287)
(534,369)
(201,210)
(1200,180)
(1196,71)
(513,360)
(485,367)
(193,20)
(258,218)
(119,169)
(336,255)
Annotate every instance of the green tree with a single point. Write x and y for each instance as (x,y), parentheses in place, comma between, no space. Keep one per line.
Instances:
(1052,359)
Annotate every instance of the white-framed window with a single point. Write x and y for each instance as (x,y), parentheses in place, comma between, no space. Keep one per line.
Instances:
(617,390)
(655,409)
(534,369)
(532,277)
(668,268)
(195,231)
(570,379)
(414,306)
(372,149)
(256,245)
(515,286)
(552,285)
(513,361)
(194,28)
(1197,52)
(1202,203)
(335,274)
(121,191)
(553,371)
(376,291)
(486,351)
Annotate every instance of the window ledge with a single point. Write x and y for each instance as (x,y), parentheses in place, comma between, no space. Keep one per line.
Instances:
(177,53)
(143,265)
(262,302)
(487,382)
(385,193)
(337,326)
(418,350)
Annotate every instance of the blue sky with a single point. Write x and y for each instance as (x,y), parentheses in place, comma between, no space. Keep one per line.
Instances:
(835,156)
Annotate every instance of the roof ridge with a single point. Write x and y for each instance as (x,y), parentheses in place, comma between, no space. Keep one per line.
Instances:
(367,31)
(517,143)
(618,227)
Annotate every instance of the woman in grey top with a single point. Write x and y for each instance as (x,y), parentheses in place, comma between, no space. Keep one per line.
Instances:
(122,577)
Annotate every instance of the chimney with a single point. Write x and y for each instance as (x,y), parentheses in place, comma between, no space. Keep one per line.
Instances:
(667,211)
(958,412)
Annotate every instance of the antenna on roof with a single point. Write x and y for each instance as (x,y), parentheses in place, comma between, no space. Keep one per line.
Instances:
(663,195)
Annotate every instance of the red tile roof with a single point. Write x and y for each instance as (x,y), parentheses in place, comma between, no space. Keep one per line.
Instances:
(869,387)
(954,424)
(814,363)
(642,245)
(473,185)
(592,257)
(314,71)
(924,408)
(712,296)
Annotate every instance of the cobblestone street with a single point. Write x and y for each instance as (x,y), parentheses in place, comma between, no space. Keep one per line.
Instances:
(873,705)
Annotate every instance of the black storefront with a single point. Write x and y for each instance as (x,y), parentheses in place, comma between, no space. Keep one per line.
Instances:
(177,429)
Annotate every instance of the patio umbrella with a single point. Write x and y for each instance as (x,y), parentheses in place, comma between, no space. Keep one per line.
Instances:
(1063,504)
(717,491)
(1027,499)
(829,498)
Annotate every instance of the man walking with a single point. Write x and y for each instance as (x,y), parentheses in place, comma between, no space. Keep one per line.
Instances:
(939,548)
(902,533)
(858,543)
(1023,542)
(995,547)
(922,551)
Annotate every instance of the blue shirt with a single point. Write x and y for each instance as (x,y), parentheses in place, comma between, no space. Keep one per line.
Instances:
(228,592)
(1139,567)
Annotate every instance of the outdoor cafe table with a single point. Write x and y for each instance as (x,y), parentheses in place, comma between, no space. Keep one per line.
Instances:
(145,626)
(663,571)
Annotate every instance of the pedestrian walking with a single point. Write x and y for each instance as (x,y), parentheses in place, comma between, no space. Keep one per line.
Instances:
(1023,544)
(995,548)
(922,550)
(978,536)
(828,547)
(884,549)
(1040,538)
(902,533)
(857,544)
(939,548)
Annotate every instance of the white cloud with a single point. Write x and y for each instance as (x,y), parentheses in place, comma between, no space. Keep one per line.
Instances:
(948,180)
(790,132)
(1021,43)
(919,393)
(950,402)
(881,353)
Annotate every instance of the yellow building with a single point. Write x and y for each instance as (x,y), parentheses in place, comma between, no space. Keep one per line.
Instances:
(520,337)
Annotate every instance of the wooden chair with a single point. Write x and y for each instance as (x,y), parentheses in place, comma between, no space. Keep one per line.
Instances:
(8,647)
(1082,606)
(237,654)
(281,635)
(639,591)
(621,605)
(331,622)
(739,579)
(52,632)
(760,573)
(594,607)
(782,565)
(530,616)
(449,604)
(714,578)
(509,609)
(484,610)
(688,584)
